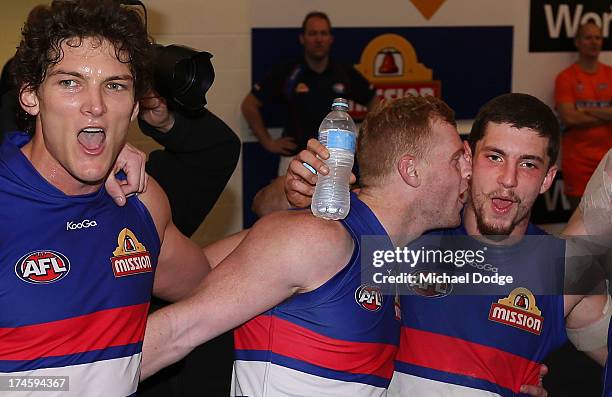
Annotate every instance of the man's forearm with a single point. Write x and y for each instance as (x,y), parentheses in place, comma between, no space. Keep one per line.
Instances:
(578,119)
(251,113)
(160,347)
(200,155)
(601,113)
(271,198)
(191,134)
(219,250)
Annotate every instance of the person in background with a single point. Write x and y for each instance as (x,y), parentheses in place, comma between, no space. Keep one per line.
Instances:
(583,99)
(305,87)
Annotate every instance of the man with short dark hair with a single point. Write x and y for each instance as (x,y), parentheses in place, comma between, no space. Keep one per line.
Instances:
(583,98)
(453,343)
(514,144)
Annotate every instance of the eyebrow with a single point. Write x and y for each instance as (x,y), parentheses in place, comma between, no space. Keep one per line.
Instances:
(522,157)
(81,76)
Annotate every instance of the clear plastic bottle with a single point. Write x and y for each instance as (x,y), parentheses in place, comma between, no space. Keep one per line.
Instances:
(338,133)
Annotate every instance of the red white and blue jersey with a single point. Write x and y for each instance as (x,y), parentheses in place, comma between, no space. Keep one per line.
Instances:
(608,370)
(337,340)
(76,274)
(457,343)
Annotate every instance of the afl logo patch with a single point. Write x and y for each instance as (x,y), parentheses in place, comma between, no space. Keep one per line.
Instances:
(42,267)
(369,297)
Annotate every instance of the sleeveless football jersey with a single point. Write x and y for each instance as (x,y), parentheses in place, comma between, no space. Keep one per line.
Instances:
(76,274)
(338,340)
(456,341)
(607,381)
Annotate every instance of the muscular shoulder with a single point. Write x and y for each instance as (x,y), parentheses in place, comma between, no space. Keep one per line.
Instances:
(302,229)
(157,203)
(315,249)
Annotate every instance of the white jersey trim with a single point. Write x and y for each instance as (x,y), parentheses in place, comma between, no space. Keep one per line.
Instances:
(116,377)
(405,385)
(264,379)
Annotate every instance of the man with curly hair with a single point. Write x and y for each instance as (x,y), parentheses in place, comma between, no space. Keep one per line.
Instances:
(76,271)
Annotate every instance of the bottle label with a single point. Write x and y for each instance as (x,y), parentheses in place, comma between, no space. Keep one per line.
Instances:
(341,139)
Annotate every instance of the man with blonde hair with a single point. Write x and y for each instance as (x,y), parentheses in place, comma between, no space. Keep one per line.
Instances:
(313,327)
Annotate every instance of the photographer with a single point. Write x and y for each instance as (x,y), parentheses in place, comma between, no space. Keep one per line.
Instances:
(200,154)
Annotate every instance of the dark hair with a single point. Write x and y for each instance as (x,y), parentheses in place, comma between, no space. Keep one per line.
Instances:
(71,21)
(315,14)
(520,111)
(396,127)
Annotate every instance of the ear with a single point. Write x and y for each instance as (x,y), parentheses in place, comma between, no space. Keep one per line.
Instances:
(407,169)
(302,38)
(468,151)
(548,179)
(29,101)
(135,110)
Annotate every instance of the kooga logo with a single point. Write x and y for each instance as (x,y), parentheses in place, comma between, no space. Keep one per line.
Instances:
(86,223)
(554,24)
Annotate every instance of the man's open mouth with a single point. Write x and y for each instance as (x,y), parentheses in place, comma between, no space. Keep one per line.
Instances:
(92,138)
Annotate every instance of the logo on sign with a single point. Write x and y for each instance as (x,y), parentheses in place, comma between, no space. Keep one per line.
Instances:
(130,257)
(42,267)
(390,63)
(369,297)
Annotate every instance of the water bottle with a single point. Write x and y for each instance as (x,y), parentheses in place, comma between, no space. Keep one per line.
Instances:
(338,133)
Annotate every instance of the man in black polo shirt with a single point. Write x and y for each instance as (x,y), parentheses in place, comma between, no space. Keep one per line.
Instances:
(305,88)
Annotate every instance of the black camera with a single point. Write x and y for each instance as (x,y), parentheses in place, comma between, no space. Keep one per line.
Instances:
(181,74)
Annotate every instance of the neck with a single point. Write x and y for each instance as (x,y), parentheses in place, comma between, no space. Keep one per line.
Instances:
(317,65)
(588,64)
(402,224)
(50,169)
(471,226)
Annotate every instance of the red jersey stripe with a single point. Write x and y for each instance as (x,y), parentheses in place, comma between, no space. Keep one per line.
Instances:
(458,356)
(291,340)
(95,331)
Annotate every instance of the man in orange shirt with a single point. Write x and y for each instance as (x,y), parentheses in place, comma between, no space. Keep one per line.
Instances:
(583,98)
